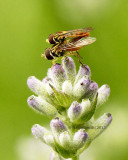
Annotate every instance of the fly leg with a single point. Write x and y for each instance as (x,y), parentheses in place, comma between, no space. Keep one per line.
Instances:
(55,46)
(74,54)
(62,58)
(70,54)
(79,57)
(54,60)
(66,55)
(79,54)
(42,55)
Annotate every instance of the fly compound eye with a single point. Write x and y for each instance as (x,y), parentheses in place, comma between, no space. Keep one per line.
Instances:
(50,39)
(47,54)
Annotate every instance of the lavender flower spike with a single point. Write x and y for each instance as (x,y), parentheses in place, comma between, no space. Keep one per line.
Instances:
(70,99)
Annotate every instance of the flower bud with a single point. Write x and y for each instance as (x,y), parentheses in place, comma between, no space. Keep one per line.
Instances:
(57,126)
(103,94)
(43,134)
(67,87)
(99,126)
(39,131)
(92,90)
(49,140)
(57,75)
(36,86)
(41,106)
(84,70)
(46,81)
(88,109)
(74,111)
(86,104)
(65,140)
(70,68)
(81,87)
(80,138)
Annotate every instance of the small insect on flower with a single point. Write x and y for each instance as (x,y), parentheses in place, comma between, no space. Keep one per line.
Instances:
(59,37)
(65,43)
(67,48)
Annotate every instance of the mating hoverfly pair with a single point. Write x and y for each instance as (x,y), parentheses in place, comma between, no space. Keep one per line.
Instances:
(66,43)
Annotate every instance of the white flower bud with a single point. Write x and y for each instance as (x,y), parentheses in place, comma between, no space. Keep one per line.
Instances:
(43,134)
(41,106)
(36,86)
(84,70)
(81,87)
(67,87)
(88,109)
(86,104)
(103,94)
(49,140)
(99,126)
(92,90)
(70,68)
(57,75)
(65,140)
(80,138)
(39,131)
(74,111)
(57,126)
(46,81)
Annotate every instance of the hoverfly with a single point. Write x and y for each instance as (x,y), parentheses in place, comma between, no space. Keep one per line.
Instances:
(71,45)
(59,37)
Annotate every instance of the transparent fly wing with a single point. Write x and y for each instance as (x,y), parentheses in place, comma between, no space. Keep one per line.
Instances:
(85,41)
(73,33)
(77,44)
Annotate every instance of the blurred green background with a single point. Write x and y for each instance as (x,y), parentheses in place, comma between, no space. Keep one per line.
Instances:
(24,26)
